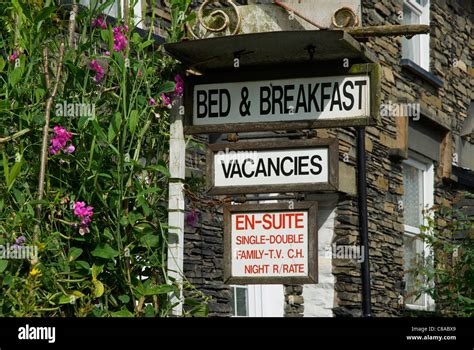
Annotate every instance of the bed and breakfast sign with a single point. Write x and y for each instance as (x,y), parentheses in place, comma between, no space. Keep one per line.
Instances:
(254,102)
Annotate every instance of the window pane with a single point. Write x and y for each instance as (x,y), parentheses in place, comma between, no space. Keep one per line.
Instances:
(239,301)
(411,47)
(413,247)
(412,196)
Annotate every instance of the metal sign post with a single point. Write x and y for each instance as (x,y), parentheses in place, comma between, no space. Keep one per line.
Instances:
(363,223)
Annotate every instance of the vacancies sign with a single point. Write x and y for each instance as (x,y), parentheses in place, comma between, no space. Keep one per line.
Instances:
(273,166)
(290,103)
(270,243)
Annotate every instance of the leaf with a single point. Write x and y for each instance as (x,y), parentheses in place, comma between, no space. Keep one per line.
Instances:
(133,217)
(70,298)
(43,14)
(104,251)
(3,265)
(2,64)
(83,264)
(163,289)
(124,298)
(96,270)
(136,38)
(19,197)
(133,121)
(14,173)
(149,241)
(108,234)
(159,168)
(114,127)
(114,149)
(149,311)
(123,221)
(83,121)
(198,308)
(6,170)
(38,119)
(99,132)
(466,300)
(98,288)
(16,75)
(74,253)
(102,7)
(122,313)
(168,86)
(146,43)
(104,34)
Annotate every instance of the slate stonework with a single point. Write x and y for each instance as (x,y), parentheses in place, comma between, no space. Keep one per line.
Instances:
(451,38)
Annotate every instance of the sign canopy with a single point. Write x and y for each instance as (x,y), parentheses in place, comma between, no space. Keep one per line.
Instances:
(273,166)
(275,48)
(270,243)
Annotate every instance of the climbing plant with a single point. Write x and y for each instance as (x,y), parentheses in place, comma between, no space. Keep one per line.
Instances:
(84,106)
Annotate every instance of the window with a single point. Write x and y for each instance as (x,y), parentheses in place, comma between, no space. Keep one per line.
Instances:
(258,300)
(240,303)
(117,7)
(418,180)
(417,49)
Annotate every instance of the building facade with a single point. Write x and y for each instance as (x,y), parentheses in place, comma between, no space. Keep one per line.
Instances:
(420,155)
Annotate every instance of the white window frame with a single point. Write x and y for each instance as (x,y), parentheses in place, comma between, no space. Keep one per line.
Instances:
(112,10)
(424,39)
(427,168)
(263,300)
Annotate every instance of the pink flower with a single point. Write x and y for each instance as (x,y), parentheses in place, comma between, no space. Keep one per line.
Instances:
(152,102)
(192,218)
(13,57)
(179,89)
(84,213)
(120,40)
(107,53)
(166,100)
(60,139)
(99,22)
(98,69)
(70,149)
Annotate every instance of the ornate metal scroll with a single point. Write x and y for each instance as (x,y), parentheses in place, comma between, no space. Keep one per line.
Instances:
(345,17)
(213,14)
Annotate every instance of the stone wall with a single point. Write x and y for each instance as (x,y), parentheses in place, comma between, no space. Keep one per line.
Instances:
(450,38)
(451,57)
(203,238)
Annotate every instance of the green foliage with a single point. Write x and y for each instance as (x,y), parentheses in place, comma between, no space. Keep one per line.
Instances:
(116,266)
(179,17)
(448,271)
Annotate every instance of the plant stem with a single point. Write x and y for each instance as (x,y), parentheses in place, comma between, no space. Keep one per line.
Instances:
(44,145)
